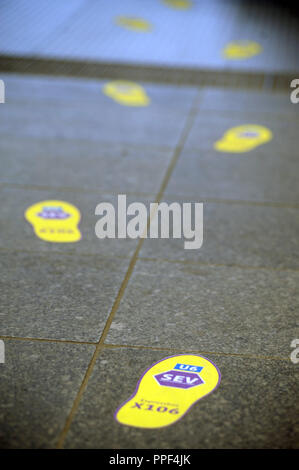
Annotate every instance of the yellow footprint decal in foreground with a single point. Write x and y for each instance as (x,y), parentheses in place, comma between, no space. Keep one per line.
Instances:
(167,390)
(126,93)
(134,24)
(241,49)
(55,221)
(179,4)
(243,138)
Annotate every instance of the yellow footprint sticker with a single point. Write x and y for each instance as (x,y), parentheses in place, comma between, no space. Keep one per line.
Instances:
(179,4)
(241,49)
(54,221)
(134,24)
(243,138)
(167,390)
(126,93)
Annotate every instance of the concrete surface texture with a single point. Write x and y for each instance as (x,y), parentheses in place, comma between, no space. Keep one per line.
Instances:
(193,37)
(82,321)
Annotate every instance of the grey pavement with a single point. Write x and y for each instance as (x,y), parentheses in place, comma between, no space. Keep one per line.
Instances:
(38,386)
(222,309)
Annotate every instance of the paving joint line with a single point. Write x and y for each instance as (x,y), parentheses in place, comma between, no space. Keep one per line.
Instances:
(177,151)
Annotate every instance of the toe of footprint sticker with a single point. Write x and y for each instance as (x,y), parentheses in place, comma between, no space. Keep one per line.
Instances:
(167,390)
(54,221)
(134,24)
(126,93)
(243,138)
(241,50)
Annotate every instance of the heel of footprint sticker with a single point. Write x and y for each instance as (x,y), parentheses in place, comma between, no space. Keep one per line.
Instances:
(54,221)
(167,390)
(243,138)
(126,93)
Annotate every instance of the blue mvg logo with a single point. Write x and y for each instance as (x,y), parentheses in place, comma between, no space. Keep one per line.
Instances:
(188,367)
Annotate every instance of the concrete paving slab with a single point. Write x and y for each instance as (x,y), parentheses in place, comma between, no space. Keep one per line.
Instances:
(38,385)
(158,124)
(239,414)
(100,125)
(217,309)
(58,296)
(236,234)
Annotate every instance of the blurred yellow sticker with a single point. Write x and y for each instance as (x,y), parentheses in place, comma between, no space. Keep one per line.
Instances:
(167,390)
(179,4)
(243,138)
(54,221)
(241,49)
(126,93)
(134,24)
